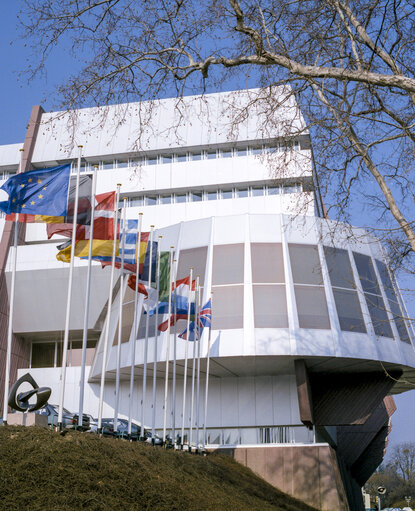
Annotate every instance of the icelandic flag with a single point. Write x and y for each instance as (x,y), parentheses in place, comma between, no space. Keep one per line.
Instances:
(205,319)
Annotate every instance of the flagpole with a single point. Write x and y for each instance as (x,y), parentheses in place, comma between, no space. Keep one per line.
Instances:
(69,295)
(143,400)
(107,327)
(156,332)
(136,323)
(166,382)
(198,371)
(194,364)
(173,430)
(11,310)
(121,291)
(87,297)
(207,379)
(186,353)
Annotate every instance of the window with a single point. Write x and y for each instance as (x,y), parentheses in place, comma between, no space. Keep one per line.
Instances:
(394,306)
(165,199)
(122,164)
(273,190)
(242,192)
(196,196)
(228,264)
(166,158)
(242,151)
(373,295)
(210,155)
(152,160)
(270,306)
(43,354)
(180,197)
(136,202)
(257,191)
(182,157)
(256,150)
(308,287)
(227,194)
(227,153)
(150,200)
(212,195)
(227,307)
(344,290)
(267,263)
(192,258)
(196,156)
(107,165)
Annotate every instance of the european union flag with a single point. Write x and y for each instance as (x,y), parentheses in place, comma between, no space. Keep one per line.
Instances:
(38,192)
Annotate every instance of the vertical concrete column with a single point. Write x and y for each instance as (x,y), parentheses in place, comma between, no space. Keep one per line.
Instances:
(20,349)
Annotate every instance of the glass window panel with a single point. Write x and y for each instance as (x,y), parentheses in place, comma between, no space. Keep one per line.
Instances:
(122,164)
(136,201)
(196,196)
(231,436)
(270,307)
(312,307)
(151,326)
(267,262)
(256,150)
(165,199)
(242,192)
(339,267)
(249,435)
(196,156)
(192,258)
(386,281)
(305,264)
(242,151)
(257,191)
(152,160)
(349,311)
(366,273)
(273,190)
(227,194)
(212,195)
(43,354)
(214,436)
(378,315)
(106,165)
(182,157)
(211,155)
(291,189)
(228,264)
(399,321)
(227,307)
(181,197)
(166,158)
(150,200)
(227,153)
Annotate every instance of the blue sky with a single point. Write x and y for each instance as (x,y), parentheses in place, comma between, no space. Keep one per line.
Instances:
(16,100)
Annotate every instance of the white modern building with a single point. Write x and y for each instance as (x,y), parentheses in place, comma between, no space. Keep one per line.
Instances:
(308,338)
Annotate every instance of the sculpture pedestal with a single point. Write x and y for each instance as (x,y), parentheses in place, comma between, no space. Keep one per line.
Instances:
(27,419)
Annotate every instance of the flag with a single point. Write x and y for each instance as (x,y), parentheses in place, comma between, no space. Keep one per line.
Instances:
(38,192)
(179,303)
(205,319)
(103,221)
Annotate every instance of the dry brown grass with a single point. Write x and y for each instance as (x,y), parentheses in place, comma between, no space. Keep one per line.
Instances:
(42,470)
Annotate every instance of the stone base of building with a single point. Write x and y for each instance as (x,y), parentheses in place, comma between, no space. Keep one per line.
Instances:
(309,473)
(27,419)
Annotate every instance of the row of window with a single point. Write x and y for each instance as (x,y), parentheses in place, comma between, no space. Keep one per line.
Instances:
(185,156)
(199,195)
(269,293)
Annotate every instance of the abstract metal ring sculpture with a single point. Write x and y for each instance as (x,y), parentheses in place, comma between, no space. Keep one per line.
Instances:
(20,402)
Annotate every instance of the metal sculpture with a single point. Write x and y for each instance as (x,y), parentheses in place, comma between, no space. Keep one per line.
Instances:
(20,402)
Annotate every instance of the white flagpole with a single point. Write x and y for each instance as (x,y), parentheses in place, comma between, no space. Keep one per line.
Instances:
(136,321)
(143,400)
(198,373)
(166,382)
(87,298)
(68,301)
(11,309)
(173,421)
(156,334)
(108,321)
(186,354)
(121,291)
(207,379)
(194,365)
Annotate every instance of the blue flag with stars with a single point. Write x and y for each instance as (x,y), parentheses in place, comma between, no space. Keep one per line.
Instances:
(38,192)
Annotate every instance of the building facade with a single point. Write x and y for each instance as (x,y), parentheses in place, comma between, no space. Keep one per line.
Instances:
(308,337)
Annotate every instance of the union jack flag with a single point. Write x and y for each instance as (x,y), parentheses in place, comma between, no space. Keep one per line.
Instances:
(205,319)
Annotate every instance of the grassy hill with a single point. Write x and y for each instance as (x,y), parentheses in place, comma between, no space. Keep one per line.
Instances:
(42,470)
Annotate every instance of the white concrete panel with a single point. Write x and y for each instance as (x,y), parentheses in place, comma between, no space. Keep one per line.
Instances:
(281,400)
(263,401)
(229,402)
(247,404)
(354,344)
(264,229)
(272,340)
(195,234)
(313,342)
(295,409)
(10,155)
(229,230)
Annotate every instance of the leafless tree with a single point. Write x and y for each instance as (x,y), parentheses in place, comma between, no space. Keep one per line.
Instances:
(350,64)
